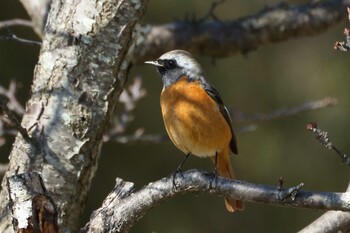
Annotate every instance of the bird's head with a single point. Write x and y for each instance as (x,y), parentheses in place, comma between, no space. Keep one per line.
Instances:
(175,64)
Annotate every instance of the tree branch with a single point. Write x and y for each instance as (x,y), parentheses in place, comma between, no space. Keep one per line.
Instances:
(14,121)
(332,221)
(323,138)
(285,112)
(15,22)
(221,39)
(10,93)
(224,38)
(123,207)
(345,45)
(13,37)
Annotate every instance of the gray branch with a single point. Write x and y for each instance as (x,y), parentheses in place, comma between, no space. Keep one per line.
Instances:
(123,207)
(284,112)
(331,221)
(225,38)
(15,22)
(273,24)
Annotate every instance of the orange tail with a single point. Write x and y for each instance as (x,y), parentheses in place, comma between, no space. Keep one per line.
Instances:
(224,169)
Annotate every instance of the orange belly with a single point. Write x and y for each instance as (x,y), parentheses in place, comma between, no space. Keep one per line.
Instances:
(193,120)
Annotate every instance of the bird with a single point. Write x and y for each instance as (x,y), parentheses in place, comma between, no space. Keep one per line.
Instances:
(194,115)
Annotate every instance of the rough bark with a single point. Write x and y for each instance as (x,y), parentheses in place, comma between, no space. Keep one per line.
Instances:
(85,55)
(32,208)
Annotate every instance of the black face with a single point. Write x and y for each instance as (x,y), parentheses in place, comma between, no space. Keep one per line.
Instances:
(168,64)
(169,71)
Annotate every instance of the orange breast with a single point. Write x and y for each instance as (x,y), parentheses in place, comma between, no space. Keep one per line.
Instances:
(193,120)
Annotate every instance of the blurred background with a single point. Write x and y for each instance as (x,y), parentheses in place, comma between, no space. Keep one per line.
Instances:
(285,75)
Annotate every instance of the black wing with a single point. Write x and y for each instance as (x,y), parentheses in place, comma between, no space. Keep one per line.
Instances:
(214,94)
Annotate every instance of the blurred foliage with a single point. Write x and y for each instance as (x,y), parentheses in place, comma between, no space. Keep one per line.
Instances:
(279,75)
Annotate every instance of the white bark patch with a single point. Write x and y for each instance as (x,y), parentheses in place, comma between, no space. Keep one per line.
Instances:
(22,209)
(48,61)
(84,17)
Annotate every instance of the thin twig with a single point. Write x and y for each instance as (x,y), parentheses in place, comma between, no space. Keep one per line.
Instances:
(323,138)
(21,40)
(15,22)
(210,13)
(9,96)
(285,112)
(15,122)
(145,138)
(344,46)
(10,93)
(129,98)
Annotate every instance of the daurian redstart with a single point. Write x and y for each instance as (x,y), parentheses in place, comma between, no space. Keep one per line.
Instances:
(194,114)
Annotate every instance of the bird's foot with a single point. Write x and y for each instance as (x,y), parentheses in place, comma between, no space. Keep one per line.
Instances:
(173,177)
(213,179)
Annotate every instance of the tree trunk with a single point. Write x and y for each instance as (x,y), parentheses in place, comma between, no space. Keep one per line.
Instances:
(83,63)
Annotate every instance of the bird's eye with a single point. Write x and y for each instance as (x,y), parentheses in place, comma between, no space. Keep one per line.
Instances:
(171,63)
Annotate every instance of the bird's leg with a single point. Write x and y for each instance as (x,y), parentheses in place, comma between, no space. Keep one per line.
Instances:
(179,169)
(215,173)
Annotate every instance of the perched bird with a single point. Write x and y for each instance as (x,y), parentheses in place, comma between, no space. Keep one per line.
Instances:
(194,115)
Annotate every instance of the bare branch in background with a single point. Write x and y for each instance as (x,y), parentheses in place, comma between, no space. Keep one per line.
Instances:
(273,24)
(140,137)
(323,138)
(13,37)
(210,13)
(124,207)
(5,130)
(129,98)
(284,112)
(14,106)
(10,93)
(11,116)
(344,46)
(15,23)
